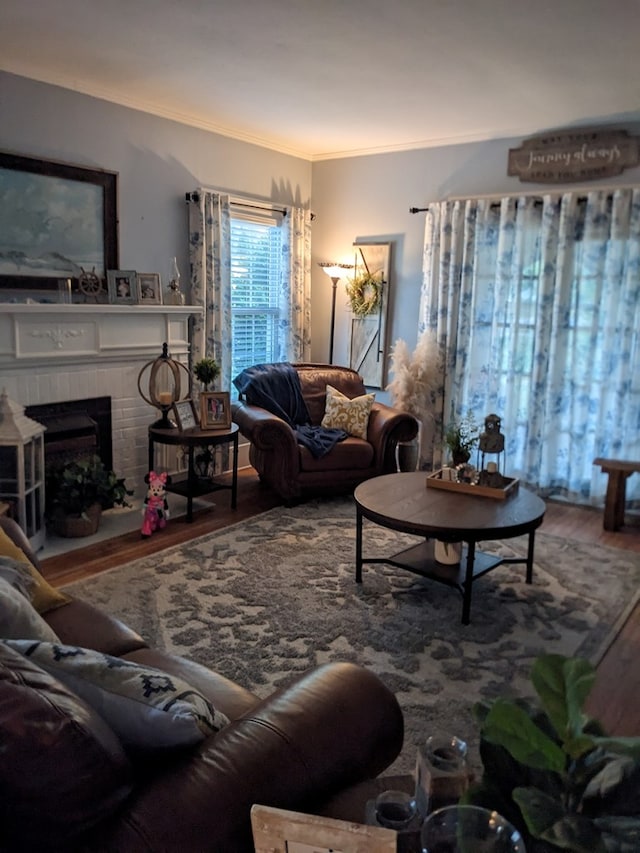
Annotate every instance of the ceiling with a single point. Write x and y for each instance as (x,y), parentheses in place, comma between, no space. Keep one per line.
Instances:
(340,77)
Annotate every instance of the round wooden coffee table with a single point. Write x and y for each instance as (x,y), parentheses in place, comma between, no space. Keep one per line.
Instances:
(403,502)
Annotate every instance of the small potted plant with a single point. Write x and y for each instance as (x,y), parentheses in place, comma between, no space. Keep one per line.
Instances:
(461,437)
(78,491)
(206,371)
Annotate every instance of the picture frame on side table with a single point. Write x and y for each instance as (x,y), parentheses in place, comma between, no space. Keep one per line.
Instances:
(123,287)
(281,831)
(215,410)
(185,414)
(149,290)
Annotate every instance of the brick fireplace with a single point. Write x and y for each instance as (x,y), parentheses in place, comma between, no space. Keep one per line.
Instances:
(52,354)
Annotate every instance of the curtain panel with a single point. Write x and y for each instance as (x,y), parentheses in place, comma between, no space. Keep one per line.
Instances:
(535,306)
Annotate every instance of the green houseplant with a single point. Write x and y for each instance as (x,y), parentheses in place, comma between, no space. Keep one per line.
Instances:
(77,492)
(206,370)
(552,771)
(460,437)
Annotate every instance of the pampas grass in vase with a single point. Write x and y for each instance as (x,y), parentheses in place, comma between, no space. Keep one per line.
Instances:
(416,378)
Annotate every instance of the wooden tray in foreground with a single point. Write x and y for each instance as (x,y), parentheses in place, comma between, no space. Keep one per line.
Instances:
(435,481)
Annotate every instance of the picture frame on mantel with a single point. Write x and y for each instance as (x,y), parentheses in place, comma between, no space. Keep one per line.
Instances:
(59,220)
(123,287)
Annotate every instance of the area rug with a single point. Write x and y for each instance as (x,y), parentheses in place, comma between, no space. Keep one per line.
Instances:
(274,595)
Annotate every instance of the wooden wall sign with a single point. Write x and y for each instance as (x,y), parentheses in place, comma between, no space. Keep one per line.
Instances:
(574,155)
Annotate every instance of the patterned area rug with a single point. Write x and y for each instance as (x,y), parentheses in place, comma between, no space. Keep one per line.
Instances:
(276,594)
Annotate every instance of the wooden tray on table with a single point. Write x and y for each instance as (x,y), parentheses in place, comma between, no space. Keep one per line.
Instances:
(435,481)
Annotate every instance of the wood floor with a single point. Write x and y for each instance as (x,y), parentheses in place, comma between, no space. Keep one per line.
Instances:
(615,699)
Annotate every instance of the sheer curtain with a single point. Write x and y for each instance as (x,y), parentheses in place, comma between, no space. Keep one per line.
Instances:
(535,304)
(210,268)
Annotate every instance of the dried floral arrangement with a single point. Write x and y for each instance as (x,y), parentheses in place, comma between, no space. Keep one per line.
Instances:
(416,376)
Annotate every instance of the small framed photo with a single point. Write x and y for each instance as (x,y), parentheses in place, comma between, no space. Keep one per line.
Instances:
(185,414)
(215,410)
(280,831)
(149,291)
(123,288)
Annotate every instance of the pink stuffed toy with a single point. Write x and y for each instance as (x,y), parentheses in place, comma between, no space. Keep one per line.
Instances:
(156,509)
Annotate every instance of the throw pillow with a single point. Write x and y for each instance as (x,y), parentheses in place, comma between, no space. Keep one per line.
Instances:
(145,707)
(19,620)
(350,415)
(63,770)
(43,596)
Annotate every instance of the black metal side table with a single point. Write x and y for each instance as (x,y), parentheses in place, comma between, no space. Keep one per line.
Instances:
(193,486)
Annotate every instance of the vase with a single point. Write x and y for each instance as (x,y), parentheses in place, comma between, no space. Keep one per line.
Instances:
(77,526)
(407,455)
(447,553)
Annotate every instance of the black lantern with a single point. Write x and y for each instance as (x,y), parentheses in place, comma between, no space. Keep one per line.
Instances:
(164,385)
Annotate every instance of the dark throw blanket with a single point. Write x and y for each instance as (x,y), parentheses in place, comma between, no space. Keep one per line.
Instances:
(276,388)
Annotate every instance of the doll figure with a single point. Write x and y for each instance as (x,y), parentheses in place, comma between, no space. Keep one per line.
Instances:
(155,510)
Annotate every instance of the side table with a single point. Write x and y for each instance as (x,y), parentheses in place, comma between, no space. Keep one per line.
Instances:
(192,485)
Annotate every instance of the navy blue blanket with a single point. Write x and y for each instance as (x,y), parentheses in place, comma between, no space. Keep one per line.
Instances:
(276,388)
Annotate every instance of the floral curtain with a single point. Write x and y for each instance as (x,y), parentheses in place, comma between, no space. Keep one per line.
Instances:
(535,305)
(210,271)
(210,268)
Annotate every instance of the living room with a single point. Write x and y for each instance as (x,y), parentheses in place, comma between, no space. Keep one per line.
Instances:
(364,195)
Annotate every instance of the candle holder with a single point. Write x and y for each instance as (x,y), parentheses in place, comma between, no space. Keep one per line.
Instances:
(164,386)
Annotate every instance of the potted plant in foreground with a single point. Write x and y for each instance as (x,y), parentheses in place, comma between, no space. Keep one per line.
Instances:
(551,770)
(78,491)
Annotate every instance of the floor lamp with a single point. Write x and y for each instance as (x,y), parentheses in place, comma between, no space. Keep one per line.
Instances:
(335,272)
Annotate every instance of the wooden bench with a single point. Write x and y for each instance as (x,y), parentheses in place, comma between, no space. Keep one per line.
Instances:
(618,471)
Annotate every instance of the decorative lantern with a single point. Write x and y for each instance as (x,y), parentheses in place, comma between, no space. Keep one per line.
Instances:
(22,469)
(164,386)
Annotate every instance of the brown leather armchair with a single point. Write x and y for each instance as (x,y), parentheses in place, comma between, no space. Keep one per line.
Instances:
(291,469)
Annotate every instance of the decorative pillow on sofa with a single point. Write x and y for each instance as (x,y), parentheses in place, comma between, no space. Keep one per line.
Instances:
(19,620)
(145,707)
(350,415)
(43,596)
(63,770)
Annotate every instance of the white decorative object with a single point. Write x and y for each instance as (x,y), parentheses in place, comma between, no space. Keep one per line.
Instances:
(22,466)
(448,553)
(175,296)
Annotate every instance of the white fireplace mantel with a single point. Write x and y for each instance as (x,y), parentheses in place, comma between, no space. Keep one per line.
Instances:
(56,353)
(38,335)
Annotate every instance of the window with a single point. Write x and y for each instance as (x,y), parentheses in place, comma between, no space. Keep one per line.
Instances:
(256,273)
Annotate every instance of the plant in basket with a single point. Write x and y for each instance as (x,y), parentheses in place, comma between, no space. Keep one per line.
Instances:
(77,492)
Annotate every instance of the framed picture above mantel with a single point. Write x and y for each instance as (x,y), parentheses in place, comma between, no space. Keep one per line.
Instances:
(58,223)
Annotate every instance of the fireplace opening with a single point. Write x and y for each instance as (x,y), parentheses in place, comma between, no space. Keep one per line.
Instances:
(75,429)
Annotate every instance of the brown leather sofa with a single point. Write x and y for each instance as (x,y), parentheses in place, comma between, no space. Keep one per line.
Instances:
(291,470)
(329,729)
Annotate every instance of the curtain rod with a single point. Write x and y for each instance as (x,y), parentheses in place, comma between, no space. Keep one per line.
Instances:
(238,202)
(582,190)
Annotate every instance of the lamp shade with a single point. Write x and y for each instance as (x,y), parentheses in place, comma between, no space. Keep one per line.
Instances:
(335,270)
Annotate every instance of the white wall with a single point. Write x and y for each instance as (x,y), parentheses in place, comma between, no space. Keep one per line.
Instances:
(158,161)
(365,198)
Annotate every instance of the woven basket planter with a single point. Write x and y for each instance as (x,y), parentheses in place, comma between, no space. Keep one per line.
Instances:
(74,527)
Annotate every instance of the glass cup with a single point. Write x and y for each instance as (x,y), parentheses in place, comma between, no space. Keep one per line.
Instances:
(395,810)
(442,771)
(469,829)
